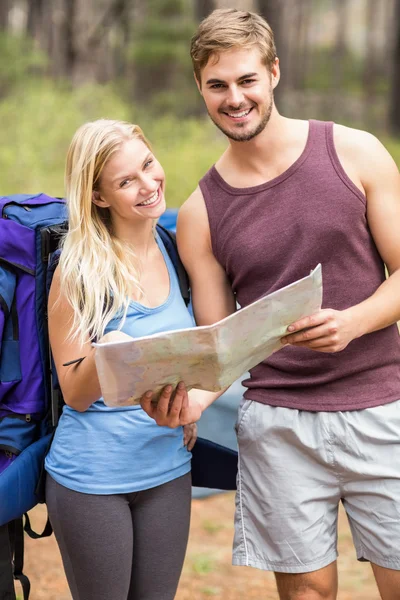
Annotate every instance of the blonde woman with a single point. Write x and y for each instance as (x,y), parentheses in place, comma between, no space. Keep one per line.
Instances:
(118,486)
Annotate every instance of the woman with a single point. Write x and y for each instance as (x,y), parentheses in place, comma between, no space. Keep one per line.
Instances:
(118,487)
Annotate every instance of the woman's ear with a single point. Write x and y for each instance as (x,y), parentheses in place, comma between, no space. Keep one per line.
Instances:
(98,200)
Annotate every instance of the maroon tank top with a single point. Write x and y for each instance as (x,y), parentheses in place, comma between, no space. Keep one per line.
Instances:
(270,235)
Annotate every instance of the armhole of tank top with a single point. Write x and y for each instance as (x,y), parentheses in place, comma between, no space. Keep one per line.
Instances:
(172,272)
(211,218)
(337,165)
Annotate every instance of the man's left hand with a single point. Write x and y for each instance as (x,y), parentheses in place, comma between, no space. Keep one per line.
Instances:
(326,331)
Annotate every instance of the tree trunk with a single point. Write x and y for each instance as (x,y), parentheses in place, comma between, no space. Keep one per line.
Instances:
(34,17)
(394,111)
(4,12)
(371,67)
(202,8)
(89,26)
(340,44)
(272,11)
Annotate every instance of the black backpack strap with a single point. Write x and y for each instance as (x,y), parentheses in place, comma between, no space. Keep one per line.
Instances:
(17,545)
(7,591)
(12,560)
(56,400)
(12,556)
(47,531)
(169,240)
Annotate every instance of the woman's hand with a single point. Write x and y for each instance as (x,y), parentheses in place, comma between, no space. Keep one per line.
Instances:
(172,408)
(190,435)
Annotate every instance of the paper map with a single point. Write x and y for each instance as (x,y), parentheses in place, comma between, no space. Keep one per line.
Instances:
(209,357)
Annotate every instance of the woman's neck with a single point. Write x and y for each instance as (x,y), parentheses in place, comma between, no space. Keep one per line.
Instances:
(138,236)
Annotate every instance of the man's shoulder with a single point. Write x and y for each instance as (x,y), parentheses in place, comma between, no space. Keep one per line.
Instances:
(192,224)
(365,154)
(348,138)
(193,210)
(195,199)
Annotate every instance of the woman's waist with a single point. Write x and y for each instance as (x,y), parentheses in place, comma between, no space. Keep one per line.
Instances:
(105,422)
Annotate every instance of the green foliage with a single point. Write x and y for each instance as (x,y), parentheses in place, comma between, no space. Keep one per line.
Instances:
(18,58)
(39,120)
(186,148)
(161,34)
(393,146)
(320,76)
(203,564)
(212,526)
(211,591)
(167,8)
(162,65)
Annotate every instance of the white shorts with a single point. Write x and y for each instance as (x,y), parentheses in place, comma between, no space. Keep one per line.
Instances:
(296,466)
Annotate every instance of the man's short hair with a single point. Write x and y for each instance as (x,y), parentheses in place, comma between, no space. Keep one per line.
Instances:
(227,28)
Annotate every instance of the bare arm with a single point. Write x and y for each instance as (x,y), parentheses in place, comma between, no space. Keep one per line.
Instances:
(79,382)
(212,295)
(373,170)
(212,300)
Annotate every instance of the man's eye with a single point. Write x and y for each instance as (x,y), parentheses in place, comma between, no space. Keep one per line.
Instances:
(217,86)
(245,81)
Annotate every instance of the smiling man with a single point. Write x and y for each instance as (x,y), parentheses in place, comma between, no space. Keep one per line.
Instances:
(320,420)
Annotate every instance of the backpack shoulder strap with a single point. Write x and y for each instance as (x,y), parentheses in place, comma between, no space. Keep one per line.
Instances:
(169,240)
(6,565)
(56,400)
(12,560)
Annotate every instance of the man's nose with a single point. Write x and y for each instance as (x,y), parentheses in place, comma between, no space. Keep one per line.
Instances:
(235,96)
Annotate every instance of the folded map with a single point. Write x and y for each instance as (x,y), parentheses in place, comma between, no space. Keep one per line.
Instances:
(209,357)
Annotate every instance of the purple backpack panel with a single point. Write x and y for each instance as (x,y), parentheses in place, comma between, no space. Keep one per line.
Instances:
(25,243)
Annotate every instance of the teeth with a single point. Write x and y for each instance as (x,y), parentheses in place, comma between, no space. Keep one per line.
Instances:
(244,113)
(150,200)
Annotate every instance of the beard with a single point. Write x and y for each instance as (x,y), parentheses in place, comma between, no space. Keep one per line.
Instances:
(249,135)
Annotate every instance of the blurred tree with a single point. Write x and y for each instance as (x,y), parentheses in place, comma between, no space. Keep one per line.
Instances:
(302,44)
(4,13)
(202,8)
(272,11)
(163,71)
(371,69)
(34,17)
(340,45)
(394,111)
(78,35)
(87,29)
(18,59)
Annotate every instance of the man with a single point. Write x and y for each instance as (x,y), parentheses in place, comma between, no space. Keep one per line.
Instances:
(320,420)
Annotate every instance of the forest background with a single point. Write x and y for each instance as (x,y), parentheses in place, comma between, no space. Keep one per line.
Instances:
(63,62)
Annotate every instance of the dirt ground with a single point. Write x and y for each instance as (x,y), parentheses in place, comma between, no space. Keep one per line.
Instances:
(207,572)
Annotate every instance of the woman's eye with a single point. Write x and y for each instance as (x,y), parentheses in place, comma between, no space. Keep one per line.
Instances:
(124,183)
(148,163)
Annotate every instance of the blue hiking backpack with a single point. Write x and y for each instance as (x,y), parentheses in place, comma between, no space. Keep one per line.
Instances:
(31,227)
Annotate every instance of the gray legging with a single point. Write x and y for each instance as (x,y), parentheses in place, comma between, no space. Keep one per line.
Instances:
(122,546)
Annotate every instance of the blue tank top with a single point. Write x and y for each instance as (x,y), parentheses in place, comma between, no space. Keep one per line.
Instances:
(120,450)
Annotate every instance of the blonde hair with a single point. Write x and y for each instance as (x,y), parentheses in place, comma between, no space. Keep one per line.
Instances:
(97,270)
(227,28)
